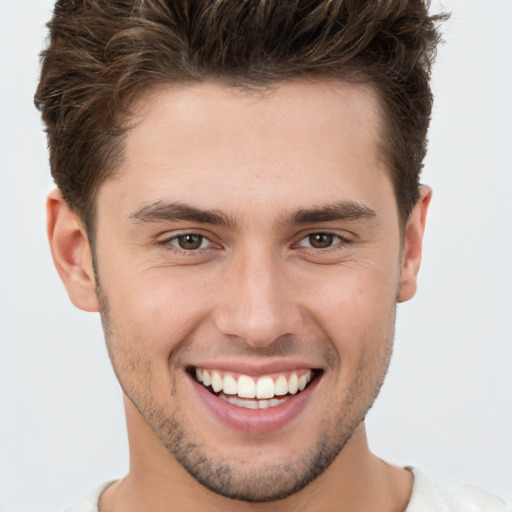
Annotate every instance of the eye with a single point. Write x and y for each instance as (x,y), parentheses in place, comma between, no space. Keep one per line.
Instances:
(190,241)
(320,240)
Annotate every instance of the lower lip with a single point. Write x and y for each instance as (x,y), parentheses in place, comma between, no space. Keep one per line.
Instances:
(255,421)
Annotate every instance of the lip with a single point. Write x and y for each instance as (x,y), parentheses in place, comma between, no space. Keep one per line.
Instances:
(254,421)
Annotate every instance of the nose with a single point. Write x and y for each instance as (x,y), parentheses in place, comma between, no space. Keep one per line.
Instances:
(257,301)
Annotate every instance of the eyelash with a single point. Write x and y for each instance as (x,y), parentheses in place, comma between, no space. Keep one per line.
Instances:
(338,240)
(169,246)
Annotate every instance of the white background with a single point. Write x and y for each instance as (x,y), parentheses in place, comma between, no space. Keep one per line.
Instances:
(446,406)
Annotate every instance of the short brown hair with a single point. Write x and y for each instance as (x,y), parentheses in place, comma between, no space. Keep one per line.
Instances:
(103,54)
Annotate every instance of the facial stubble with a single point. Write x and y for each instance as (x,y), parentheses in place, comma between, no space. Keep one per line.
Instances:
(224,474)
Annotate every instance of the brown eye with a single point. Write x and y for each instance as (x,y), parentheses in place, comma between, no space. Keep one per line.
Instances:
(321,240)
(190,241)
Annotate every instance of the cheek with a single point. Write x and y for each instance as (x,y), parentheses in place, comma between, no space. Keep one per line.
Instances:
(356,293)
(356,308)
(157,308)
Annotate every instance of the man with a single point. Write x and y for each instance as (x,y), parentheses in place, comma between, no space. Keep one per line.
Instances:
(239,198)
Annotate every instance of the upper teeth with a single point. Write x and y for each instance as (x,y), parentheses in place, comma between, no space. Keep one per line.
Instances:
(246,387)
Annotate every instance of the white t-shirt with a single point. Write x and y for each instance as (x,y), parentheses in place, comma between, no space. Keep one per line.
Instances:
(433,495)
(428,495)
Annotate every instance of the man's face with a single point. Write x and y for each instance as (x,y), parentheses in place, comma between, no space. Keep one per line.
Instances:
(251,240)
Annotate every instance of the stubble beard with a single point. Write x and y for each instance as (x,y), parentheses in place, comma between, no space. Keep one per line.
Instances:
(240,480)
(237,480)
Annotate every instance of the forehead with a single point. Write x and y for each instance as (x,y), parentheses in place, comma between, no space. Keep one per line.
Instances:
(313,111)
(314,142)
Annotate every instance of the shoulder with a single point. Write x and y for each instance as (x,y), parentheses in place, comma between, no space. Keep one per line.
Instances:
(430,494)
(90,502)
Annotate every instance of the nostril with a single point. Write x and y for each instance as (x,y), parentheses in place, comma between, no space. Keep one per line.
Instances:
(257,317)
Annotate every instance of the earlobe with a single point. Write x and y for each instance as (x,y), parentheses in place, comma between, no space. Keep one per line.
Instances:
(412,247)
(71,252)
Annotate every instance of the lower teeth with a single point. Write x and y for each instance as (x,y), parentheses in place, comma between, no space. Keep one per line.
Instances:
(253,404)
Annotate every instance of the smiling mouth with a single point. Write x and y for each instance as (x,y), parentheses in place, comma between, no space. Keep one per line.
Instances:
(254,393)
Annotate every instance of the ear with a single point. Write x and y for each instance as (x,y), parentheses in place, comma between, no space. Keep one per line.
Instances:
(412,245)
(71,252)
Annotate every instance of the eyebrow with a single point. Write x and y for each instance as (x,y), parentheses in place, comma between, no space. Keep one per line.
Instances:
(343,210)
(172,212)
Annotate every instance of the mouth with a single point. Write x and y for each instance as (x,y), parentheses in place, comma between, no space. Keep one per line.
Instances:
(263,392)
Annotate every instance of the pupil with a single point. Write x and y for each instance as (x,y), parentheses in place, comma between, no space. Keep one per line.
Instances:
(321,240)
(190,241)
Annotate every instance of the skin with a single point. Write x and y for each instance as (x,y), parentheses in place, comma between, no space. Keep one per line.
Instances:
(256,291)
